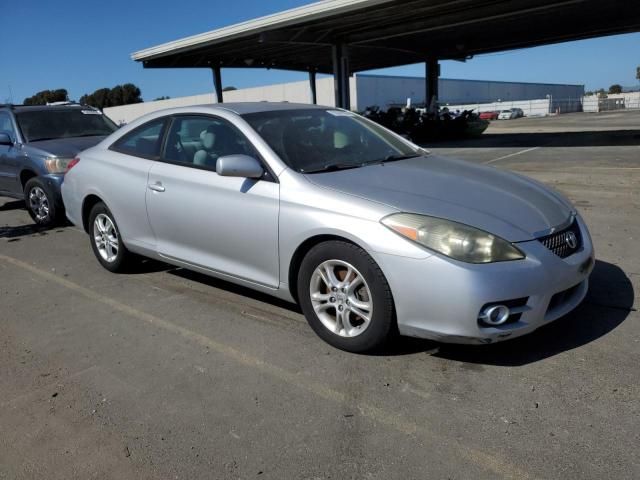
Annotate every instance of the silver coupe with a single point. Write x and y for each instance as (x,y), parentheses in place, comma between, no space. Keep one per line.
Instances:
(370,234)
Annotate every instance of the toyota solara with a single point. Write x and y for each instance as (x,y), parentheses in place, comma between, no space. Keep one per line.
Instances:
(370,234)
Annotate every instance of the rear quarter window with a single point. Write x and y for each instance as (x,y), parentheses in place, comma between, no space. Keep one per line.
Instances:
(144,141)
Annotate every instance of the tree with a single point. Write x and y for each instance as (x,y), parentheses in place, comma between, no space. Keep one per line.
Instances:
(98,99)
(229,88)
(615,88)
(638,73)
(130,94)
(161,98)
(47,96)
(601,93)
(113,97)
(116,96)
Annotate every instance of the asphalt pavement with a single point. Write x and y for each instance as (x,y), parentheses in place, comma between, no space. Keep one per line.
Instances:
(167,374)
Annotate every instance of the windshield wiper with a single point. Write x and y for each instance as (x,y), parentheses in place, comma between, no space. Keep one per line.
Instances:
(332,167)
(42,139)
(395,158)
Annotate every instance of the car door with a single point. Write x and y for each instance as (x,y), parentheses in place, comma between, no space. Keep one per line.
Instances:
(9,158)
(225,224)
(123,175)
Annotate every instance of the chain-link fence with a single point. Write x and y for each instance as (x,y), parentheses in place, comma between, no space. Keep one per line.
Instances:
(531,108)
(622,101)
(555,106)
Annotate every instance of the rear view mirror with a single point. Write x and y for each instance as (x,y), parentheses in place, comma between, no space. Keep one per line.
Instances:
(239,166)
(5,139)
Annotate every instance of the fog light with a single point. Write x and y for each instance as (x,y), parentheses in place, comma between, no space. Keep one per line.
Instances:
(494,315)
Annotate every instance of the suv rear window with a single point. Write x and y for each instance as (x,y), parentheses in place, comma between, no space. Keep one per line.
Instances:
(63,123)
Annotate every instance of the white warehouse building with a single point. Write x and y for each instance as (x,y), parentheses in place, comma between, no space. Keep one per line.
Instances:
(384,91)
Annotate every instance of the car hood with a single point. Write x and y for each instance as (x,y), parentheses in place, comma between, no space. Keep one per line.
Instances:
(505,204)
(66,147)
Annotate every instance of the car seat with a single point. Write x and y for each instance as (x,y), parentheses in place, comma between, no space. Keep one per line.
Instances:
(206,156)
(175,150)
(218,140)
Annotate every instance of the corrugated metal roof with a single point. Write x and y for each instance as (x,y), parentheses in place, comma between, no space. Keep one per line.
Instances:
(314,11)
(384,33)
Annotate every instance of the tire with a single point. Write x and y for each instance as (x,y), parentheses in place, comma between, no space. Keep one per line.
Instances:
(40,203)
(106,242)
(366,292)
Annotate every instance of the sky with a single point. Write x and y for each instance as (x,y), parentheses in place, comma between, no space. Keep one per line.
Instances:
(83,45)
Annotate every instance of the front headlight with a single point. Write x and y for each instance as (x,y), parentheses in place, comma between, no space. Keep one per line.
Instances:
(56,164)
(455,240)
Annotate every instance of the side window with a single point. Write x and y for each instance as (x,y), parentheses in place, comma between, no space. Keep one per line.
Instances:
(6,125)
(144,141)
(201,140)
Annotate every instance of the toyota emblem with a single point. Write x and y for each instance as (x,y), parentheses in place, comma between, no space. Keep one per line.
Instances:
(571,240)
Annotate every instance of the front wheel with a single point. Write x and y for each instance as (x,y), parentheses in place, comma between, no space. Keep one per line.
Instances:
(345,297)
(40,203)
(106,241)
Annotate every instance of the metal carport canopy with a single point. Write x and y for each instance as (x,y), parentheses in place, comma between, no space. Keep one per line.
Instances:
(385,33)
(346,36)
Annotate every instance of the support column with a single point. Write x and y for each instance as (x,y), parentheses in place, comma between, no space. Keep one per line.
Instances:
(432,74)
(313,87)
(341,75)
(217,83)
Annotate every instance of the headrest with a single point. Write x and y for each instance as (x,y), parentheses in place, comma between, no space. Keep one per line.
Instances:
(208,140)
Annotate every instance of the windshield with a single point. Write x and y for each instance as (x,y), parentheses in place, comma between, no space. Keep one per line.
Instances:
(63,123)
(317,140)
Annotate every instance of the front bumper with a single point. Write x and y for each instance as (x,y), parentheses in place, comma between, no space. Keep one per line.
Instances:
(54,182)
(440,299)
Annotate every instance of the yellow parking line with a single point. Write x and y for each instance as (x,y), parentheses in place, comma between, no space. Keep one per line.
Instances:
(397,422)
(521,152)
(608,168)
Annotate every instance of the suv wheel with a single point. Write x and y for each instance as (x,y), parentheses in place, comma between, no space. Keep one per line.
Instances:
(40,203)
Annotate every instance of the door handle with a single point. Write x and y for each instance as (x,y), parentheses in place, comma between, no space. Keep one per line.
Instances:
(156,187)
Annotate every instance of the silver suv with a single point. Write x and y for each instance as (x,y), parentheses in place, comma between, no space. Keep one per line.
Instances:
(37,143)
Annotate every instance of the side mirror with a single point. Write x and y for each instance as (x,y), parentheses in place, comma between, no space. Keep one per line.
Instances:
(239,166)
(5,139)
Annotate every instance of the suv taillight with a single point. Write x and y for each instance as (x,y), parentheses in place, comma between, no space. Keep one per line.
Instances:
(73,163)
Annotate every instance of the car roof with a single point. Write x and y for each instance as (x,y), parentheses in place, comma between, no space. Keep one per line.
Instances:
(36,108)
(242,108)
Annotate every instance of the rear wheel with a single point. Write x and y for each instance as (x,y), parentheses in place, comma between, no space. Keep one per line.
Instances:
(106,242)
(40,203)
(345,297)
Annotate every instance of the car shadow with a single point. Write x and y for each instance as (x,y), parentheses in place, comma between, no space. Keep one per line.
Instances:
(13,205)
(14,233)
(609,302)
(233,288)
(148,265)
(604,138)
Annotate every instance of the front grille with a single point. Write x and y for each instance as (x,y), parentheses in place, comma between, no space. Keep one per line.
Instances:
(559,242)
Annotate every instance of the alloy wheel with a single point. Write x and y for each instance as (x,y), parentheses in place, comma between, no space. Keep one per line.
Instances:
(105,237)
(341,298)
(39,204)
